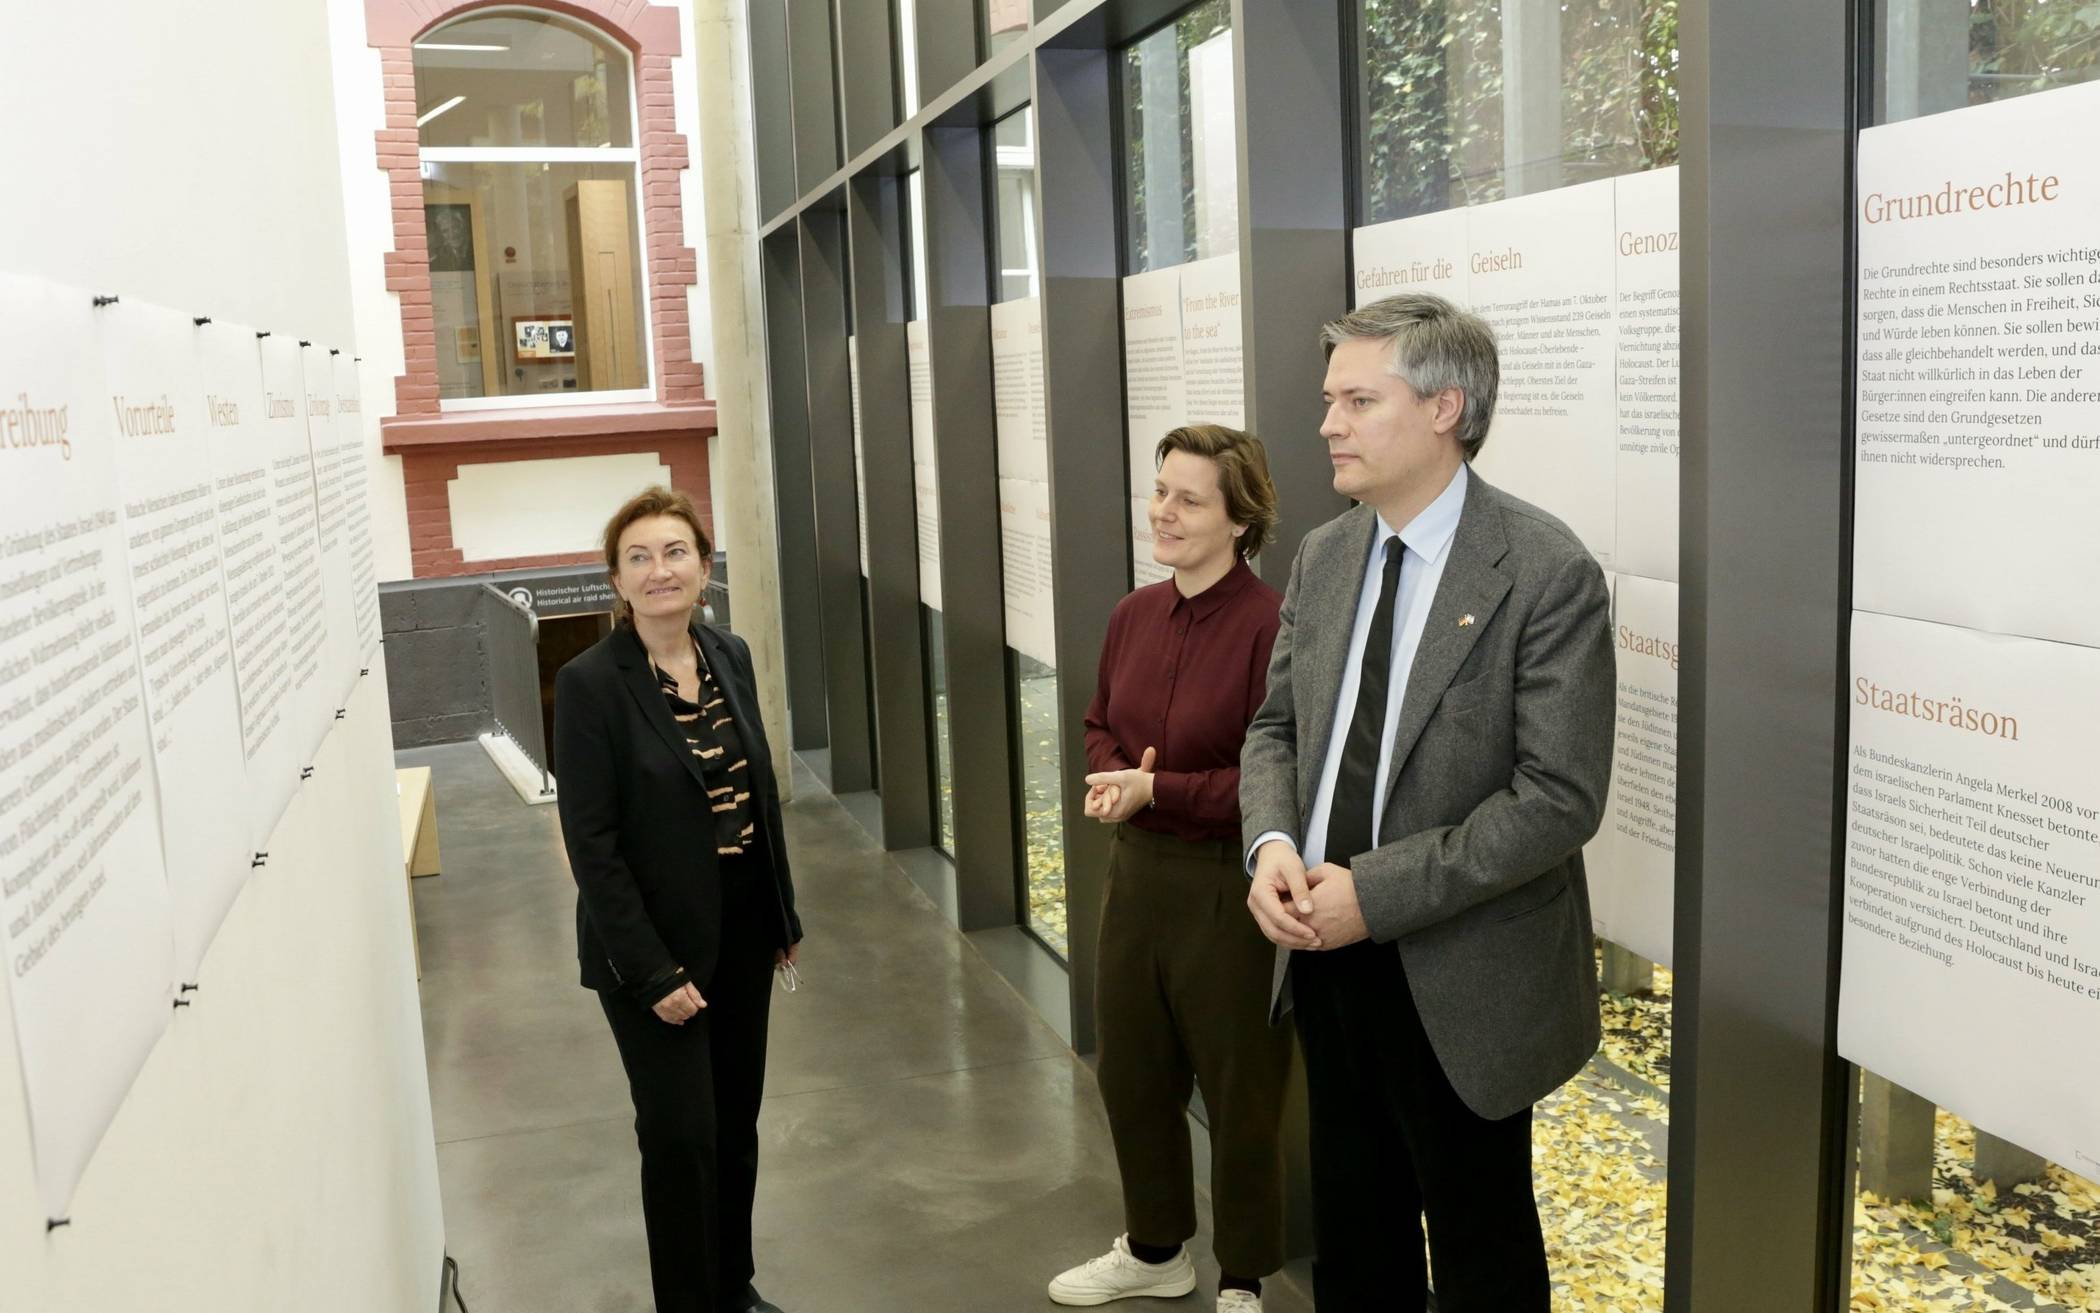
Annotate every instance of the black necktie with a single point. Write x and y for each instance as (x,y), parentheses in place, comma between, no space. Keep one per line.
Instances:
(1349,814)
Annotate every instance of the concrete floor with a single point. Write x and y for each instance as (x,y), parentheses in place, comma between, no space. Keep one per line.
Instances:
(929,1143)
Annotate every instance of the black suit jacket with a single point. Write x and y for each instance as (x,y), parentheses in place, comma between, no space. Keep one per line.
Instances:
(636,822)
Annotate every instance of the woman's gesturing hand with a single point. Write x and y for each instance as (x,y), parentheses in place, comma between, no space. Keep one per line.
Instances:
(1118,795)
(680,1005)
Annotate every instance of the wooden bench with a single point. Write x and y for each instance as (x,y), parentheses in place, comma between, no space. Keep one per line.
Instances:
(419,837)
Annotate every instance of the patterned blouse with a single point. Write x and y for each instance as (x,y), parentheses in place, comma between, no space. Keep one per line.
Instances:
(716,742)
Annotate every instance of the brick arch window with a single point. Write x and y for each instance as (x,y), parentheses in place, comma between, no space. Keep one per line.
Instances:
(486,278)
(529,170)
(538,230)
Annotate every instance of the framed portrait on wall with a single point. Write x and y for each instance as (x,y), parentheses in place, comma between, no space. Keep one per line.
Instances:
(540,339)
(451,232)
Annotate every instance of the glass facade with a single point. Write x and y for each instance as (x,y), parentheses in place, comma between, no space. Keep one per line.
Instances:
(526,126)
(1445,124)
(1181,226)
(926,498)
(1949,1214)
(1013,158)
(1001,23)
(1024,527)
(1520,157)
(1465,107)
(1180,167)
(1937,55)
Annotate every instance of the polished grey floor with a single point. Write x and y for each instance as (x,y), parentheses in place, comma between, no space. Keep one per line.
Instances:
(929,1142)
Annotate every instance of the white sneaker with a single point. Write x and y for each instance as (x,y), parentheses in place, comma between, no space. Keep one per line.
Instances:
(1118,1274)
(1238,1301)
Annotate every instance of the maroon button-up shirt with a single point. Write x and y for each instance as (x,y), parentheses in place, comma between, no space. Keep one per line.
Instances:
(1185,675)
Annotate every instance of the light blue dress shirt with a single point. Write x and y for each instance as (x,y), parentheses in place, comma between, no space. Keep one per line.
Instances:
(1427,543)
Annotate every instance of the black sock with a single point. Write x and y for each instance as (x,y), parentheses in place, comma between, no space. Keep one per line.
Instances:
(1154,1254)
(1227,1281)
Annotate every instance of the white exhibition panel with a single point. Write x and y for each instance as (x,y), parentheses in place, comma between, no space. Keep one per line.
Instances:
(331,514)
(1647,305)
(1973,843)
(83,895)
(1024,478)
(309,704)
(1541,274)
(1154,398)
(1017,390)
(256,605)
(177,583)
(1633,866)
(1979,368)
(925,487)
(1184,362)
(1213,343)
(1025,572)
(534,507)
(1581,287)
(1426,253)
(860,459)
(354,459)
(249,1168)
(264,1157)
(1600,855)
(1972,876)
(159,578)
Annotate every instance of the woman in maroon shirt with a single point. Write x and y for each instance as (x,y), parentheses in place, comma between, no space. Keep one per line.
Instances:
(1183,974)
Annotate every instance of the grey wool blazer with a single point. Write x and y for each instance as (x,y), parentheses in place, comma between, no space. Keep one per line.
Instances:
(1500,761)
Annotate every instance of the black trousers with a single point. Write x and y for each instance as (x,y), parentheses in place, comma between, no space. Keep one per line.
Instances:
(1393,1145)
(697,1089)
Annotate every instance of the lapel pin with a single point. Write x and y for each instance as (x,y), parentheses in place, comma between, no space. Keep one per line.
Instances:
(1465,620)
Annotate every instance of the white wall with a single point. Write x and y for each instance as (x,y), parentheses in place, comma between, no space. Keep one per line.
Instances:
(183,153)
(276,1152)
(685,105)
(368,218)
(368,214)
(539,507)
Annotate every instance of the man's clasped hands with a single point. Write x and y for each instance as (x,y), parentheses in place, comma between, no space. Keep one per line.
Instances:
(1294,907)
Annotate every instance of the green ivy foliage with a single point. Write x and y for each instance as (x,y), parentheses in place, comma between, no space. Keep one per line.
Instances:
(2021,46)
(1193,28)
(1432,98)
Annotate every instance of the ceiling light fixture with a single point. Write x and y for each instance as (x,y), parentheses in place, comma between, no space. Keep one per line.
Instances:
(431,114)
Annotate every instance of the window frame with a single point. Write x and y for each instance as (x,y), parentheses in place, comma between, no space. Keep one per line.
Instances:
(630,156)
(1124,118)
(1016,160)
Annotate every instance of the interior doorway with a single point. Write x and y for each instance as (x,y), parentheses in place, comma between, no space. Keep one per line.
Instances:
(562,638)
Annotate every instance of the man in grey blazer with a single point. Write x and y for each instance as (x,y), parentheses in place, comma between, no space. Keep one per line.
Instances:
(1416,790)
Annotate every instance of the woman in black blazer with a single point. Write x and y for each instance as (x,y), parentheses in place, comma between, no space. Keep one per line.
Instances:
(671,815)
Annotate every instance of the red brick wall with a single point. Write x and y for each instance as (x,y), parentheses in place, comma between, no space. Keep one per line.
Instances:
(651,32)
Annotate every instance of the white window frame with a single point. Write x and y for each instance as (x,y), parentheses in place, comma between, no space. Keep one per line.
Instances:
(1021,159)
(908,39)
(916,186)
(628,155)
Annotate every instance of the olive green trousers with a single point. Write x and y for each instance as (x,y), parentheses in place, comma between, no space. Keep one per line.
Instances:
(1182,1003)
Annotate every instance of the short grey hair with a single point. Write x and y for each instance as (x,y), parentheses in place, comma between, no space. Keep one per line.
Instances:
(1435,345)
